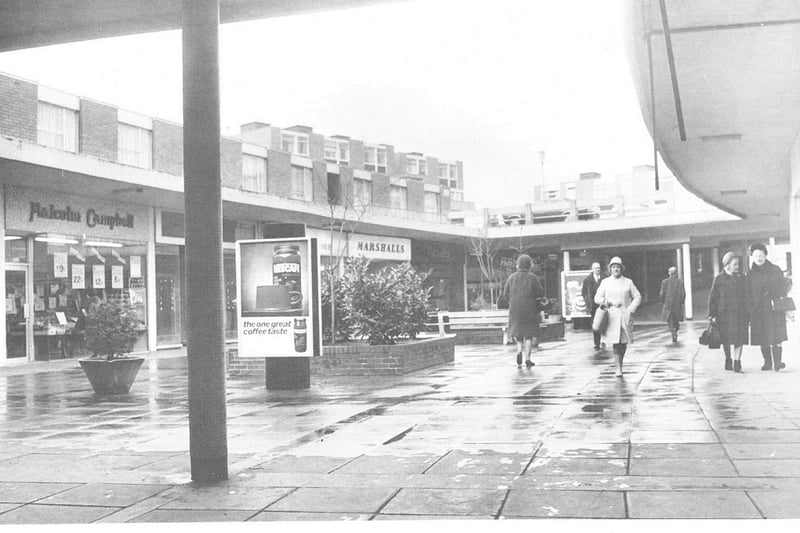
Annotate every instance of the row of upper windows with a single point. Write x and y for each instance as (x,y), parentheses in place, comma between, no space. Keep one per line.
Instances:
(58,128)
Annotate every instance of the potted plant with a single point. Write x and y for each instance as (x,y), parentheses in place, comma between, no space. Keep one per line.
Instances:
(111,330)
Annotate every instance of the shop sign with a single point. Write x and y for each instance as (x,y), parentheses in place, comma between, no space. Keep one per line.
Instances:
(360,245)
(41,211)
(572,303)
(278,302)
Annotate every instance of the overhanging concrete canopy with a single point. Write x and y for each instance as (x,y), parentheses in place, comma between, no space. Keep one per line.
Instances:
(735,89)
(29,23)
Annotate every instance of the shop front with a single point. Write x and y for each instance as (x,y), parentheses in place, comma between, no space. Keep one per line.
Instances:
(63,255)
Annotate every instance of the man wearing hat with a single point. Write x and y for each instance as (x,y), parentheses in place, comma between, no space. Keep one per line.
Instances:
(620,296)
(588,290)
(673,294)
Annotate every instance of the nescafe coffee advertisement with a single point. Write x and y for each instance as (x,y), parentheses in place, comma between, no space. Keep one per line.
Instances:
(278,298)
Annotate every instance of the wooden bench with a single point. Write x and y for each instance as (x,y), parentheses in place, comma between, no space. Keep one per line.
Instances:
(485,327)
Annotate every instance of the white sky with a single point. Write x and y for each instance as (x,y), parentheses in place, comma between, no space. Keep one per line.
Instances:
(488,83)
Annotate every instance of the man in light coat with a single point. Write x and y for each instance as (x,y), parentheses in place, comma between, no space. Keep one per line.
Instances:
(621,298)
(674,295)
(588,290)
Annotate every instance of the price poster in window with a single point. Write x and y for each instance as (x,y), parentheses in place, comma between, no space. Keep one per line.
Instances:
(78,277)
(116,277)
(136,266)
(60,264)
(99,276)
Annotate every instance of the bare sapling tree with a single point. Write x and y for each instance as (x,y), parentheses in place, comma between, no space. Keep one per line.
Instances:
(485,251)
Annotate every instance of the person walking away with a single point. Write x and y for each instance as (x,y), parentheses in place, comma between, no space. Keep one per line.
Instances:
(674,295)
(523,291)
(727,309)
(620,296)
(765,283)
(588,290)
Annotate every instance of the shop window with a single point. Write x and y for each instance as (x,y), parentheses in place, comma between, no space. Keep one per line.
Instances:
(302,187)
(168,295)
(57,127)
(362,193)
(135,146)
(173,224)
(254,173)
(16,249)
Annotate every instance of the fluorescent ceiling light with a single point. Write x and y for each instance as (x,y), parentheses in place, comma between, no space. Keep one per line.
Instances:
(52,238)
(12,237)
(105,244)
(721,137)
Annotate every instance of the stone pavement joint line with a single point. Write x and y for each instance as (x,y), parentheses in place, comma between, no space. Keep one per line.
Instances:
(475,439)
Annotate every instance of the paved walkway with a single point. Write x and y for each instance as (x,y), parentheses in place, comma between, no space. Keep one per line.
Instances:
(477,439)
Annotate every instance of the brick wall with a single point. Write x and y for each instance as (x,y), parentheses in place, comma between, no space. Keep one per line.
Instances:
(18,109)
(316,147)
(275,136)
(279,173)
(98,130)
(432,177)
(356,359)
(168,148)
(320,182)
(399,163)
(391,164)
(380,190)
(346,185)
(356,154)
(416,195)
(231,162)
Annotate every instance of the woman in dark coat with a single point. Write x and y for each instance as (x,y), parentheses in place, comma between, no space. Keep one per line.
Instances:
(522,291)
(727,308)
(766,283)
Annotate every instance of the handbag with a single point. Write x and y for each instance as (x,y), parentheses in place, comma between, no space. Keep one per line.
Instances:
(600,321)
(783,304)
(711,337)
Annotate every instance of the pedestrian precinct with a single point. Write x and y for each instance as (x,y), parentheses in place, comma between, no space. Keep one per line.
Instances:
(588,290)
(674,295)
(727,309)
(621,298)
(523,291)
(766,283)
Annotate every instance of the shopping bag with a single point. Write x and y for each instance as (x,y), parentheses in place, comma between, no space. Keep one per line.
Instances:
(783,304)
(710,337)
(600,322)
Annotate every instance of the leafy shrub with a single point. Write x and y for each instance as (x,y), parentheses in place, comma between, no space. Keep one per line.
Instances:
(111,329)
(344,326)
(387,304)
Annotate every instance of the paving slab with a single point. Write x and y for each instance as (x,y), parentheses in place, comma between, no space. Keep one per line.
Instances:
(309,464)
(564,504)
(682,467)
(334,500)
(229,495)
(768,467)
(193,515)
(480,462)
(776,503)
(270,516)
(599,450)
(22,492)
(54,514)
(104,495)
(691,452)
(675,504)
(457,502)
(772,450)
(576,466)
(388,464)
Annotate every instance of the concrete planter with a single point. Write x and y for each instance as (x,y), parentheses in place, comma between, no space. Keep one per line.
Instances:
(361,359)
(111,377)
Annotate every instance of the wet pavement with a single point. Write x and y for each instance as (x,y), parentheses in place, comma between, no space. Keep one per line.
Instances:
(476,439)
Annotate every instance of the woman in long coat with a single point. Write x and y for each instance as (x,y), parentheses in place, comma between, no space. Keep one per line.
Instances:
(727,308)
(766,283)
(620,296)
(522,291)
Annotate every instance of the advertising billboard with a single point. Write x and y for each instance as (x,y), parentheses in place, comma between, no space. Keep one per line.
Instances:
(572,304)
(278,301)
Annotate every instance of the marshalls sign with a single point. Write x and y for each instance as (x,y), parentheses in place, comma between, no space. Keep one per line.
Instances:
(278,298)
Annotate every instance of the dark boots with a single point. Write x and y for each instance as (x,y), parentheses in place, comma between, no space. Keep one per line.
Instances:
(766,353)
(728,363)
(777,354)
(737,366)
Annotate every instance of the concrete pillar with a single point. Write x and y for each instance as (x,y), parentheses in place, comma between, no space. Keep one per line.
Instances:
(152,293)
(528,214)
(208,447)
(715,260)
(466,293)
(687,279)
(679,262)
(567,266)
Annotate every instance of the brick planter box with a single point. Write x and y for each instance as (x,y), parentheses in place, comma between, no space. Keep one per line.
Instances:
(550,331)
(356,359)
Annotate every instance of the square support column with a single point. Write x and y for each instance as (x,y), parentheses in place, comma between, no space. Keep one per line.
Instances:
(715,260)
(687,279)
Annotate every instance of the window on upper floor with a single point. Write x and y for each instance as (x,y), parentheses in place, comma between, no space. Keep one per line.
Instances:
(432,202)
(448,175)
(337,151)
(375,158)
(416,165)
(254,173)
(57,127)
(398,197)
(551,194)
(294,143)
(302,184)
(362,193)
(134,145)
